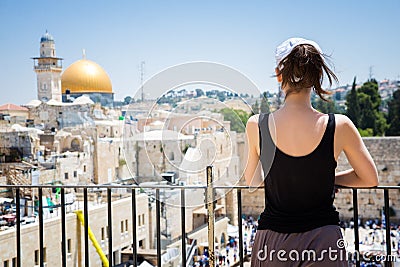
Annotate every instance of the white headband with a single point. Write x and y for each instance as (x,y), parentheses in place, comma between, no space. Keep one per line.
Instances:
(284,49)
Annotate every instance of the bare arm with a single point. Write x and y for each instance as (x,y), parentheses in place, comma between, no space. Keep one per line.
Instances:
(252,172)
(363,173)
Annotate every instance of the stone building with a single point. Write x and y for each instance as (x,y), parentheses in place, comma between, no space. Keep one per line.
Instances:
(48,69)
(121,232)
(17,143)
(12,114)
(57,115)
(83,77)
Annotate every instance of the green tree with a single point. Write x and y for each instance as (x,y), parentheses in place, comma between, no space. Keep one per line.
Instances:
(255,108)
(370,115)
(367,118)
(238,118)
(366,133)
(380,124)
(371,88)
(199,92)
(127,100)
(264,107)
(221,96)
(324,106)
(394,115)
(353,105)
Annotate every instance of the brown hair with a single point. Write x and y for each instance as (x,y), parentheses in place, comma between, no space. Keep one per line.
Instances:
(303,68)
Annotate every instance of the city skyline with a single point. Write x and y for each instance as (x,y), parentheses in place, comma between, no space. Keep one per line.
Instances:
(356,35)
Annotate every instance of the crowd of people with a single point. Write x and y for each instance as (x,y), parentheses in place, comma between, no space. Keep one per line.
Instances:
(229,255)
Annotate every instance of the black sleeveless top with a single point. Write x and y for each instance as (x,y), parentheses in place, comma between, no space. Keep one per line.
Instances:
(299,190)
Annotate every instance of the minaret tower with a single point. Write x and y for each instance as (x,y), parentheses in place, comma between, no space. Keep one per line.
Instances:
(48,69)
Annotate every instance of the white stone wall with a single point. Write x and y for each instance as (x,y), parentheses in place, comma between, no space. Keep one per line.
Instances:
(49,85)
(107,159)
(218,149)
(60,116)
(385,153)
(201,235)
(21,140)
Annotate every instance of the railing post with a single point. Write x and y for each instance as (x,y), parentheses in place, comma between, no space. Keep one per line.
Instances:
(41,229)
(110,227)
(183,227)
(18,226)
(240,225)
(158,227)
(210,215)
(86,224)
(356,236)
(134,229)
(63,229)
(388,262)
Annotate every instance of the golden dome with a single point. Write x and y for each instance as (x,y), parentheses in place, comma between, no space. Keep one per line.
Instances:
(85,76)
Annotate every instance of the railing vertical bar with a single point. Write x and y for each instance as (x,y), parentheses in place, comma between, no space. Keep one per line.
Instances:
(41,230)
(18,203)
(240,225)
(183,227)
(158,227)
(86,224)
(356,234)
(210,202)
(110,227)
(134,228)
(387,222)
(63,229)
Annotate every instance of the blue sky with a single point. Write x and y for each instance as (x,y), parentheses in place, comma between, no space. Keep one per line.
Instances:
(118,35)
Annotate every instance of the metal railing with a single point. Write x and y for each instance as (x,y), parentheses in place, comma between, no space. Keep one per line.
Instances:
(156,188)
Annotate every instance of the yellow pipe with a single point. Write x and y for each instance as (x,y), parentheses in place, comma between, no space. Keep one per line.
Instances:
(93,239)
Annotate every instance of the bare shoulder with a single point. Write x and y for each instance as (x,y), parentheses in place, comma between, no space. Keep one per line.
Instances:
(346,133)
(343,123)
(254,119)
(252,127)
(252,123)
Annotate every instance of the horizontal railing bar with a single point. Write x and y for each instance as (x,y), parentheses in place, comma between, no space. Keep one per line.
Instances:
(381,187)
(108,188)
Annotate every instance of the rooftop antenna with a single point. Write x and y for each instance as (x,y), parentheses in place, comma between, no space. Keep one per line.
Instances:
(141,78)
(370,72)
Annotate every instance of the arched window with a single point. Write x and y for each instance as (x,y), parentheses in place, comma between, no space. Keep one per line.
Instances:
(75,144)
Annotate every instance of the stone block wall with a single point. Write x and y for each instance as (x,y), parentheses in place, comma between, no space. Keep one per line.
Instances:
(385,152)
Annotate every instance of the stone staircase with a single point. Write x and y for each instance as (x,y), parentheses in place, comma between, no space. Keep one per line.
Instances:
(15,176)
